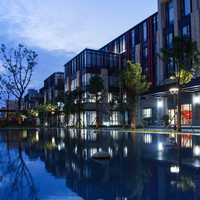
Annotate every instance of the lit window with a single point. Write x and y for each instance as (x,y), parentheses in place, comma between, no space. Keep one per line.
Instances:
(186,114)
(86,79)
(110,97)
(74,84)
(115,47)
(115,118)
(91,117)
(122,44)
(147,113)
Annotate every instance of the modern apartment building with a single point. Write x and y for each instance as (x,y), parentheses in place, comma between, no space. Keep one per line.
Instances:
(175,18)
(53,90)
(78,72)
(31,99)
(141,44)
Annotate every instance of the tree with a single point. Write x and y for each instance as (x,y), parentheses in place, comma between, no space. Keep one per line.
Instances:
(186,59)
(69,106)
(18,67)
(4,93)
(134,83)
(96,88)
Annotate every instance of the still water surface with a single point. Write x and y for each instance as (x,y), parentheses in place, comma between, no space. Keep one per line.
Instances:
(56,164)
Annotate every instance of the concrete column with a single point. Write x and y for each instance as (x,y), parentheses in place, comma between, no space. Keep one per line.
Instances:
(137,53)
(78,78)
(104,76)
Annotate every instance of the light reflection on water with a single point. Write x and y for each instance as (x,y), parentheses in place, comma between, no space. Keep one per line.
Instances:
(57,164)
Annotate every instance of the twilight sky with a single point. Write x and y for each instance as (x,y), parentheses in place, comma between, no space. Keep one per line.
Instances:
(57,30)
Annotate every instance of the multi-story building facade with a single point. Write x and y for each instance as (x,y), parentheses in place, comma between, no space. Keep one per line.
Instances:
(78,72)
(53,90)
(31,99)
(142,44)
(175,18)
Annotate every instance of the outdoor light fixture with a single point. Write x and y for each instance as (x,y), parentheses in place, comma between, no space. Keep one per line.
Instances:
(172,78)
(196,150)
(160,103)
(53,141)
(174,169)
(160,146)
(61,146)
(174,90)
(196,99)
(37,136)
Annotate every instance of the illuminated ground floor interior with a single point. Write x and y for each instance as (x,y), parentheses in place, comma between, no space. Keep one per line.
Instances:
(156,109)
(88,118)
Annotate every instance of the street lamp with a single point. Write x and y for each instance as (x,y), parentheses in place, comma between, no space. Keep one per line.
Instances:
(174,91)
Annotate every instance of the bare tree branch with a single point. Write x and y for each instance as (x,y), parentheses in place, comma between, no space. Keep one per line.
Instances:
(18,65)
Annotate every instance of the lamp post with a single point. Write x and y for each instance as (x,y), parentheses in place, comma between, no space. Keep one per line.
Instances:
(174,91)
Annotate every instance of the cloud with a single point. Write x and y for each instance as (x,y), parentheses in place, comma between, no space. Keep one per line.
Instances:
(70,25)
(45,24)
(57,30)
(48,63)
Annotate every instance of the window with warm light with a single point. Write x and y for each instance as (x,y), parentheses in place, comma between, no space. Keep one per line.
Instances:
(186,114)
(147,113)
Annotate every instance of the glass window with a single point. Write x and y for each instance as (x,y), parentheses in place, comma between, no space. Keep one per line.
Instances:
(186,31)
(187,7)
(170,40)
(147,113)
(170,67)
(133,38)
(86,79)
(123,44)
(145,53)
(91,117)
(85,58)
(144,31)
(115,118)
(186,114)
(155,23)
(74,84)
(115,47)
(98,56)
(88,60)
(170,9)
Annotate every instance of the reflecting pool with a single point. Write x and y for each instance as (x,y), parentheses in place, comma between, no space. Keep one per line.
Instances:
(57,164)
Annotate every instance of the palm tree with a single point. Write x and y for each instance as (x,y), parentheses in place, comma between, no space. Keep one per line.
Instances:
(186,57)
(96,88)
(134,83)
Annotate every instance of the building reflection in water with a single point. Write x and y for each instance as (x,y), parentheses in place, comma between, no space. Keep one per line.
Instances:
(142,165)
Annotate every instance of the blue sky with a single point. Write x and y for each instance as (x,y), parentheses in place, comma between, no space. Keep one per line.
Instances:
(57,30)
